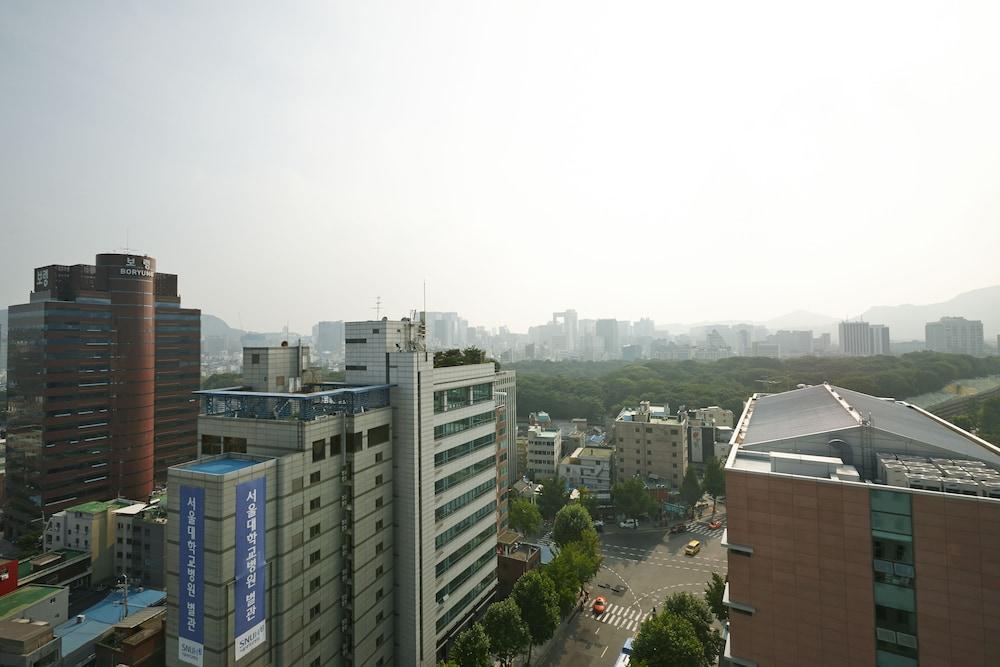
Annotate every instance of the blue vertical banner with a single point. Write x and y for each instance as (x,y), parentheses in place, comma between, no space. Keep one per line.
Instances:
(251,522)
(191,571)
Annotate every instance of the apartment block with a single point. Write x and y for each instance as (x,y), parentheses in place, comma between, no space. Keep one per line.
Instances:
(651,444)
(861,531)
(544,450)
(589,468)
(955,335)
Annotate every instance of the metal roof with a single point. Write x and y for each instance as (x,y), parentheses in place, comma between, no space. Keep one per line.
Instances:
(795,413)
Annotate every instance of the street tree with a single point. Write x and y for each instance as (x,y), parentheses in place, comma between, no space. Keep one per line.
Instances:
(589,501)
(715,481)
(713,596)
(696,612)
(524,516)
(536,597)
(571,522)
(471,648)
(667,640)
(575,565)
(507,632)
(690,488)
(631,498)
(553,496)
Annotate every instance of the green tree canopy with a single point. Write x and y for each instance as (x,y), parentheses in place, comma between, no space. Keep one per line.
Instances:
(571,522)
(553,496)
(667,640)
(696,612)
(575,565)
(690,488)
(536,597)
(507,632)
(589,501)
(713,596)
(471,648)
(631,498)
(715,480)
(524,516)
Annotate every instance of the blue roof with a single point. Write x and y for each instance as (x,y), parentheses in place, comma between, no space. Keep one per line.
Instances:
(219,466)
(102,616)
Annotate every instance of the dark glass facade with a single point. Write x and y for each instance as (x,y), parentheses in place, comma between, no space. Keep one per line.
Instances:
(102,365)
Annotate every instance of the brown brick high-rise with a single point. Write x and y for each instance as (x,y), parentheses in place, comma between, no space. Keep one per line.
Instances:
(102,365)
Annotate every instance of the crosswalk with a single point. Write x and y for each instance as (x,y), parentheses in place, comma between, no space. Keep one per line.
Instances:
(702,529)
(627,618)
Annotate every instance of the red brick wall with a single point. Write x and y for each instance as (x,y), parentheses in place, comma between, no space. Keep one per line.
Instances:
(957,561)
(810,577)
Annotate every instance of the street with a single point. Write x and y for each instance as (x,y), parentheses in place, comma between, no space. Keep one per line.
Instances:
(641,567)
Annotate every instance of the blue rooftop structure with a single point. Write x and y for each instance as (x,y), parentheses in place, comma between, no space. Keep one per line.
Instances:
(334,399)
(102,616)
(219,466)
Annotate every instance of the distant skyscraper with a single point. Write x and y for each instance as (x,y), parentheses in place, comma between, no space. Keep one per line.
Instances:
(794,343)
(608,331)
(328,337)
(955,335)
(103,362)
(855,339)
(880,339)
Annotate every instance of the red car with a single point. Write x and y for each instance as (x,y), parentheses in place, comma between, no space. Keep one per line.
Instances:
(714,524)
(600,604)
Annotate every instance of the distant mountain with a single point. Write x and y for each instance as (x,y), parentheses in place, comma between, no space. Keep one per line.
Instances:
(216,326)
(907,322)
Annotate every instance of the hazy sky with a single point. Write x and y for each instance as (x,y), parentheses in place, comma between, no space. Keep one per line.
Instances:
(679,160)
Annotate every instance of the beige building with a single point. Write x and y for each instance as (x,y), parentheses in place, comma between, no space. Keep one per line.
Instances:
(650,444)
(544,452)
(589,468)
(88,527)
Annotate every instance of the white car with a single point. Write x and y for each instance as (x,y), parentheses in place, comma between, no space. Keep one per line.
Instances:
(629,523)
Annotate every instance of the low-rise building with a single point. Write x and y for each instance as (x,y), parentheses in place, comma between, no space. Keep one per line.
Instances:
(79,636)
(28,643)
(650,444)
(36,602)
(544,451)
(137,640)
(88,527)
(589,468)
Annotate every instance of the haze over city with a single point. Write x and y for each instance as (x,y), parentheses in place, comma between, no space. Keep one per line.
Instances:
(682,162)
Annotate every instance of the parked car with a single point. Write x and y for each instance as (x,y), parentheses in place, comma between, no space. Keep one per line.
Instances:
(629,523)
(692,548)
(599,526)
(714,524)
(600,604)
(678,528)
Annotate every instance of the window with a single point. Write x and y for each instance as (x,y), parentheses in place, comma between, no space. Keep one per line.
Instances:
(378,548)
(314,611)
(319,450)
(378,435)
(379,640)
(374,331)
(379,617)
(674,455)
(314,585)
(378,457)
(378,594)
(649,452)
(314,531)
(362,341)
(313,478)
(378,502)
(254,358)
(314,557)
(675,465)
(378,479)
(334,445)
(355,442)
(296,512)
(314,638)
(378,525)
(378,571)
(314,504)
(317,662)
(355,368)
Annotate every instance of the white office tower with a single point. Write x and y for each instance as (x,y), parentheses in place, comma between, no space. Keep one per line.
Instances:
(445,479)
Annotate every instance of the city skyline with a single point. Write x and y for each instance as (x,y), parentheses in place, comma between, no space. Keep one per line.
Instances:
(319,143)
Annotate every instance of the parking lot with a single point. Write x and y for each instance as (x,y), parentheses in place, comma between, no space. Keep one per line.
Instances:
(641,567)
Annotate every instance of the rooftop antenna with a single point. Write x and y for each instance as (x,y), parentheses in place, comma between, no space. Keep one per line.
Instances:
(378,308)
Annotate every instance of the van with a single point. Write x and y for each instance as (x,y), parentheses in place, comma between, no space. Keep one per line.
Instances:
(693,547)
